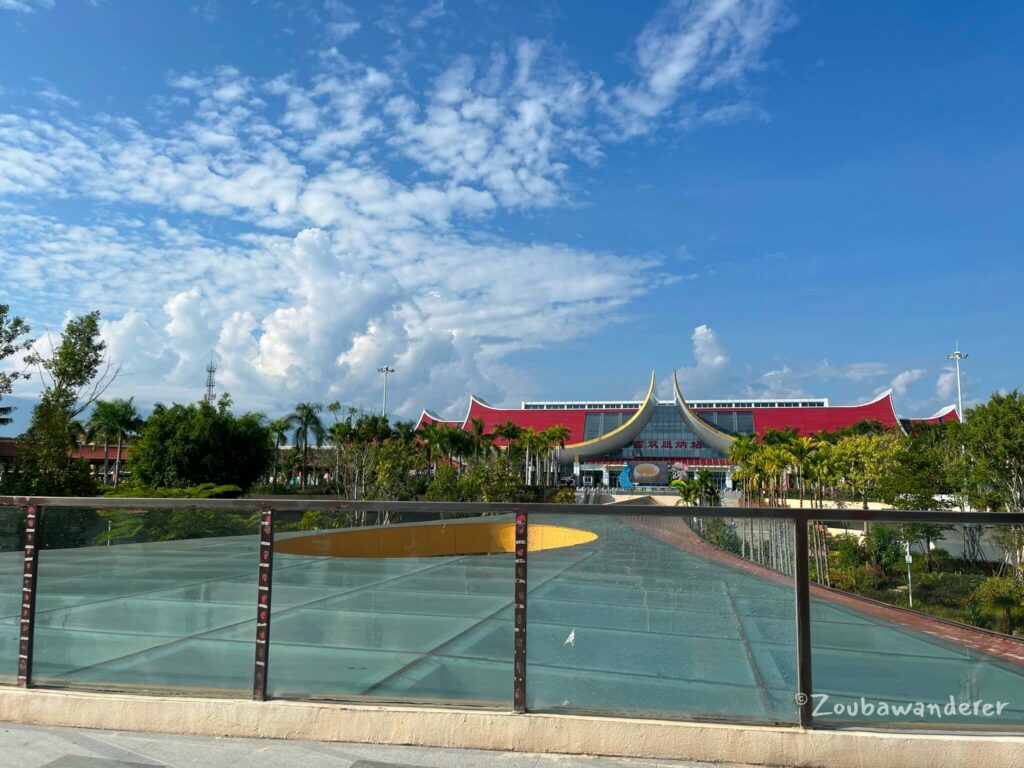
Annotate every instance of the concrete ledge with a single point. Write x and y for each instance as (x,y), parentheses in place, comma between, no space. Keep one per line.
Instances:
(508,732)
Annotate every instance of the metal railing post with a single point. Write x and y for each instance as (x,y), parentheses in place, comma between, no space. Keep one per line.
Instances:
(265,582)
(802,582)
(26,635)
(519,654)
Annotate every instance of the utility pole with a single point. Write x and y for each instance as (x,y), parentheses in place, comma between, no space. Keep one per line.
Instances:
(386,370)
(957,356)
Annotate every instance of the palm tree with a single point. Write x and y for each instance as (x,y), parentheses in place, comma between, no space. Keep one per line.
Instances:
(556,437)
(125,421)
(800,450)
(279,434)
(101,424)
(429,433)
(740,454)
(707,490)
(509,431)
(687,490)
(776,463)
(305,421)
(482,439)
(535,444)
(404,431)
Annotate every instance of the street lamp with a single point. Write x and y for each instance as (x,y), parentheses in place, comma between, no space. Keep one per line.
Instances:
(386,370)
(957,356)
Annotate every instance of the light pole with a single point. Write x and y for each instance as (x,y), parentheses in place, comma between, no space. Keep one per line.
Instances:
(957,356)
(386,370)
(910,583)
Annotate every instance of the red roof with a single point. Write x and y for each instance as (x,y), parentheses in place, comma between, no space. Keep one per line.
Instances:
(805,420)
(537,419)
(809,421)
(91,453)
(942,416)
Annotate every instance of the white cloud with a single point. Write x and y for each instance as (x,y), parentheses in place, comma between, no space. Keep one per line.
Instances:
(511,132)
(695,47)
(25,6)
(51,93)
(904,379)
(860,371)
(711,369)
(433,10)
(270,222)
(342,30)
(945,385)
(208,10)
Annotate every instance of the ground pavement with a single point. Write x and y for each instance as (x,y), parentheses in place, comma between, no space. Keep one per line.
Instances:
(46,747)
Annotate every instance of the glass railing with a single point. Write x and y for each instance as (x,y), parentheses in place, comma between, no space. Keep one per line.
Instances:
(936,641)
(649,620)
(145,598)
(11,566)
(762,616)
(384,608)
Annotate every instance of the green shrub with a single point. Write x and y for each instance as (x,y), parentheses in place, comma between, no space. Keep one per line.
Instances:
(1001,595)
(565,496)
(201,491)
(722,535)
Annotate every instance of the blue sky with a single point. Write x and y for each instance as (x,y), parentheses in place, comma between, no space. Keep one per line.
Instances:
(522,200)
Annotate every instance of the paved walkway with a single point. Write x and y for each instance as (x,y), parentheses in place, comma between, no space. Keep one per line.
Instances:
(675,532)
(38,747)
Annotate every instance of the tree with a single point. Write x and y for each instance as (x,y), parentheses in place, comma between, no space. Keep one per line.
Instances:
(800,450)
(77,372)
(993,435)
(305,421)
(708,492)
(101,425)
(556,437)
(74,376)
(534,443)
(882,546)
(993,438)
(481,438)
(509,432)
(394,471)
(445,486)
(430,435)
(279,435)
(917,479)
(687,490)
(866,459)
(498,480)
(125,421)
(740,453)
(187,445)
(12,331)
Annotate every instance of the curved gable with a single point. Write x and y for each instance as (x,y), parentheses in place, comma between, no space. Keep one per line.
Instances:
(621,435)
(716,438)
